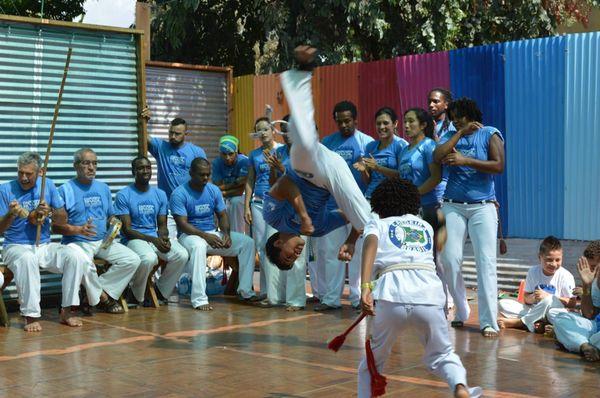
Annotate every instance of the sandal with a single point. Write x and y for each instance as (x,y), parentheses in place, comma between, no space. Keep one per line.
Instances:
(110,306)
(457,324)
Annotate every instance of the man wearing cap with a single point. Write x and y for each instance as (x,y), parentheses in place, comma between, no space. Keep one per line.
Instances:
(229,173)
(173,160)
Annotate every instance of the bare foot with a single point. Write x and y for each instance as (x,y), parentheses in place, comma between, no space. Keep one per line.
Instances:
(32,325)
(293,308)
(67,317)
(504,323)
(205,307)
(539,327)
(489,332)
(549,331)
(461,391)
(590,353)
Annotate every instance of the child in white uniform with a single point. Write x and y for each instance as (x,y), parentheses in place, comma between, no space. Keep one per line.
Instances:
(547,286)
(398,257)
(581,333)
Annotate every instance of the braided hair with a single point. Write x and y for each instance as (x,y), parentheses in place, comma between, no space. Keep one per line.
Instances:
(448,98)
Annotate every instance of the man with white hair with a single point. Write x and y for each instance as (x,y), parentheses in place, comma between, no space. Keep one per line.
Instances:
(89,206)
(22,210)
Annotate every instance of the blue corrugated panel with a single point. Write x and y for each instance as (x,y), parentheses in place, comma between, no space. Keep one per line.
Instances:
(582,140)
(478,73)
(535,111)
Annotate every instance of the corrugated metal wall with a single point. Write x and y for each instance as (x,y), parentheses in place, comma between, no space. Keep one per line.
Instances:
(196,95)
(582,137)
(535,114)
(377,87)
(478,73)
(99,107)
(416,76)
(335,84)
(243,111)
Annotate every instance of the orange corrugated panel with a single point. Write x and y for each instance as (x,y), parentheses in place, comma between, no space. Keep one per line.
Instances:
(243,111)
(334,83)
(378,88)
(268,91)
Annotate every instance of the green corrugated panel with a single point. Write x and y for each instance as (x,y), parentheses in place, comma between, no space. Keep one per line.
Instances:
(99,106)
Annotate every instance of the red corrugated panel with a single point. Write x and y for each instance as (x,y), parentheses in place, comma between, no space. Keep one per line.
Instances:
(377,87)
(267,90)
(416,75)
(332,84)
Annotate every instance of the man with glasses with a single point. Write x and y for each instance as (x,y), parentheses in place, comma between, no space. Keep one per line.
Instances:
(173,160)
(89,207)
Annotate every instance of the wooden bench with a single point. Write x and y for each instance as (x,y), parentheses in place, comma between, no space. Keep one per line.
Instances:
(8,277)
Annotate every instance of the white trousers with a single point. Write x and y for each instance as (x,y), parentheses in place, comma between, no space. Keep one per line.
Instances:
(25,261)
(480,221)
(289,286)
(235,212)
(319,165)
(430,324)
(530,314)
(573,330)
(331,272)
(316,276)
(242,246)
(260,233)
(176,259)
(123,265)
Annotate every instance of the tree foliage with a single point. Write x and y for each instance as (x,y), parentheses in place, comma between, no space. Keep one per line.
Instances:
(257,36)
(63,10)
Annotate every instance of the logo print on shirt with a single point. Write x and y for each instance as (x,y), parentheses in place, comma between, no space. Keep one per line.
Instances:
(346,154)
(264,167)
(92,201)
(410,235)
(177,160)
(30,204)
(201,209)
(146,209)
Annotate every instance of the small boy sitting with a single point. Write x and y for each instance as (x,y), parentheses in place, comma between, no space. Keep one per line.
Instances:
(547,286)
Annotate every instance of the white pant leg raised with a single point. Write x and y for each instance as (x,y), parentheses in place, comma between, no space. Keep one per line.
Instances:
(176,260)
(148,259)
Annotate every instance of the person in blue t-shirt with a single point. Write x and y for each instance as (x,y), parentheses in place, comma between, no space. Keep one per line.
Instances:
(173,160)
(351,144)
(381,157)
(89,207)
(229,173)
(438,100)
(22,210)
(473,155)
(257,185)
(194,205)
(143,211)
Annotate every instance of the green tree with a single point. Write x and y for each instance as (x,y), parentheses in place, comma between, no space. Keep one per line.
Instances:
(257,36)
(63,10)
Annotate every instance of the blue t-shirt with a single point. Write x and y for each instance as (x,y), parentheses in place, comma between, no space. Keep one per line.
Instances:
(142,207)
(173,164)
(351,149)
(280,214)
(414,166)
(261,171)
(466,184)
(440,132)
(223,174)
(83,202)
(21,231)
(387,157)
(198,207)
(283,153)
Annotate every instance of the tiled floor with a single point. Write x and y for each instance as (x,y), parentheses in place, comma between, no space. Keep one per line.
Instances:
(243,351)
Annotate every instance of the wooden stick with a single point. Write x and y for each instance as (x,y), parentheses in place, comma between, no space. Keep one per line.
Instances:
(50,138)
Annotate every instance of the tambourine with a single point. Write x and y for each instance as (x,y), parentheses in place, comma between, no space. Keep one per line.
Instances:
(111,234)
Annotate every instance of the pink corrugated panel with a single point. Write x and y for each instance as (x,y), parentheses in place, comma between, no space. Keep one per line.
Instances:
(416,75)
(267,90)
(332,84)
(377,88)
